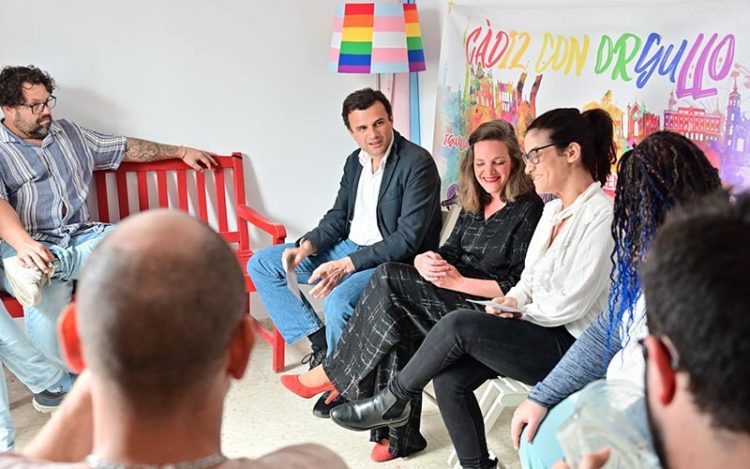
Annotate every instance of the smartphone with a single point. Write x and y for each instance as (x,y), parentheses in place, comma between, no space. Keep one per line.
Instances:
(517,313)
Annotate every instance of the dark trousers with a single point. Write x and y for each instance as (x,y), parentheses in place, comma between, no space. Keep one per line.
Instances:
(395,313)
(465,349)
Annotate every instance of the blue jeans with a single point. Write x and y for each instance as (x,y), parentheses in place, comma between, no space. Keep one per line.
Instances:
(25,361)
(295,318)
(41,319)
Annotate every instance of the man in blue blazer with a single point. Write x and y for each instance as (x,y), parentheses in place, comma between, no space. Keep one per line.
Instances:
(387,209)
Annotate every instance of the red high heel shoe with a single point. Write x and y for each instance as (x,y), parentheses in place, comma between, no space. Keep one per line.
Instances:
(292,383)
(381,453)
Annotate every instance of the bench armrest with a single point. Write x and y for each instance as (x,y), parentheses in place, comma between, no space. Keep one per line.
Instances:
(276,230)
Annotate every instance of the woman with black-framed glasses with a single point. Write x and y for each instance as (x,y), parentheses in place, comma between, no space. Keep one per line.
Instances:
(664,170)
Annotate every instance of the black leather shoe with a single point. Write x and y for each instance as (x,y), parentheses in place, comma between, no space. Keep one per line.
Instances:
(323,410)
(381,410)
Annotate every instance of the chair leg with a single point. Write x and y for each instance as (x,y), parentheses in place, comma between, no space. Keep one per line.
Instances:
(274,338)
(489,396)
(278,351)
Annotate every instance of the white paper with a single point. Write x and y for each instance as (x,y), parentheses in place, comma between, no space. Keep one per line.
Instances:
(505,308)
(291,277)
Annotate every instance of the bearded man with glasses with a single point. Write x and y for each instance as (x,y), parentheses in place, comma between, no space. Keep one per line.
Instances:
(46,167)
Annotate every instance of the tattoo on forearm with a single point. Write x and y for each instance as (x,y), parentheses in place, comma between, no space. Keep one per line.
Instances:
(144,150)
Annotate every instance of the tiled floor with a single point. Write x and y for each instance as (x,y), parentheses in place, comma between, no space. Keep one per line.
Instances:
(261,416)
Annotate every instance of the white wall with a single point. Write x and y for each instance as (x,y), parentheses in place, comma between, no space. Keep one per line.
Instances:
(224,75)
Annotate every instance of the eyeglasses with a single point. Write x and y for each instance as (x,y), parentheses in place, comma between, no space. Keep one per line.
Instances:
(38,108)
(533,155)
(673,359)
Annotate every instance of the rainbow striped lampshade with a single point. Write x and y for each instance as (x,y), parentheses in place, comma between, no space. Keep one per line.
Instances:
(376,38)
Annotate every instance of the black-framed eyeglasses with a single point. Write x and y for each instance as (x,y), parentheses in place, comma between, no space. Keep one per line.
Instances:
(38,108)
(532,156)
(674,361)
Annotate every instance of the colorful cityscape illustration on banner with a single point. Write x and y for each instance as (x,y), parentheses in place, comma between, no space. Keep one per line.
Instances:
(717,124)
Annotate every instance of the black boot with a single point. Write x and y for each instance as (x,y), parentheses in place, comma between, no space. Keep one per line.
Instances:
(323,410)
(381,410)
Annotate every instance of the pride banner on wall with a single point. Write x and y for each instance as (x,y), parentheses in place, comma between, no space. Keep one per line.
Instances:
(681,67)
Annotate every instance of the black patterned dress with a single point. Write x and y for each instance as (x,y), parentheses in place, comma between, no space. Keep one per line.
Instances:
(399,307)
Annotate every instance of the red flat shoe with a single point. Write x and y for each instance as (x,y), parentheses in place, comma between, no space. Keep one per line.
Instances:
(292,383)
(380,453)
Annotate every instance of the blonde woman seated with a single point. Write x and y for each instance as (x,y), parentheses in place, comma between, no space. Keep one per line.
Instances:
(482,258)
(563,288)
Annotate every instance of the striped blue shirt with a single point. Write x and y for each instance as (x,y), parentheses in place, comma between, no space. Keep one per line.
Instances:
(48,185)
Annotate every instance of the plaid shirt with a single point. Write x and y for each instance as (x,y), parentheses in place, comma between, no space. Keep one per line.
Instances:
(48,185)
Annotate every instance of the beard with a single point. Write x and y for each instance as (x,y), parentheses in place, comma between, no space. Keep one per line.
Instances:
(657,432)
(37,129)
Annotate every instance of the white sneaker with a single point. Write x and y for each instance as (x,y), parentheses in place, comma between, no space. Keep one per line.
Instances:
(25,283)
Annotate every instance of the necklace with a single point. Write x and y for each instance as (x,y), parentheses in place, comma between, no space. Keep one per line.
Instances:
(209,461)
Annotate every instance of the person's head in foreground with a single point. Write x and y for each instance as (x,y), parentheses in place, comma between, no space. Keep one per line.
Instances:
(698,353)
(159,324)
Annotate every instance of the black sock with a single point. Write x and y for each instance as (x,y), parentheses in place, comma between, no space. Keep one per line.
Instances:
(318,339)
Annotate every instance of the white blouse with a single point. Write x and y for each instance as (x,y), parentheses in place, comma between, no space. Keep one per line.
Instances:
(567,283)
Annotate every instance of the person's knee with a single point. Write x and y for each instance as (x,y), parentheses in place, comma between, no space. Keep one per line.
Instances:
(545,450)
(389,276)
(456,323)
(259,262)
(253,265)
(530,454)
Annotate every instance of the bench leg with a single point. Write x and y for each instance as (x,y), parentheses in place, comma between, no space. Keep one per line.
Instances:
(278,351)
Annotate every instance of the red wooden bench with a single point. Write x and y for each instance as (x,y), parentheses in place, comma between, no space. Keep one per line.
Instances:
(135,187)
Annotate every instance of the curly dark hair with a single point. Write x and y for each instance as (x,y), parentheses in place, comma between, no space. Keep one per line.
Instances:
(593,130)
(664,170)
(361,100)
(695,283)
(12,79)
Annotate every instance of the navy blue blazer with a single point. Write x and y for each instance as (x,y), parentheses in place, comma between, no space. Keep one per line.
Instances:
(408,210)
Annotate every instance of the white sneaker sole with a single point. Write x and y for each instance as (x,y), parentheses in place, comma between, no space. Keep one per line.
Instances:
(26,290)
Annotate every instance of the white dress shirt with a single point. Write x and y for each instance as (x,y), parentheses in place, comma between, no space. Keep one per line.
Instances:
(567,283)
(364,230)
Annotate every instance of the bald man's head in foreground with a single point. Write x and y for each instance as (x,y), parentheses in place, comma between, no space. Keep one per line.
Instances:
(159,307)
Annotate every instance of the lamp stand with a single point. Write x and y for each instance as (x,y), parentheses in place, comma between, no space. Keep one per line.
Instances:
(385,82)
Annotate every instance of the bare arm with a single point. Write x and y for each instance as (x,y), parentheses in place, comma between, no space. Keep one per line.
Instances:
(140,151)
(452,279)
(29,251)
(479,287)
(431,266)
